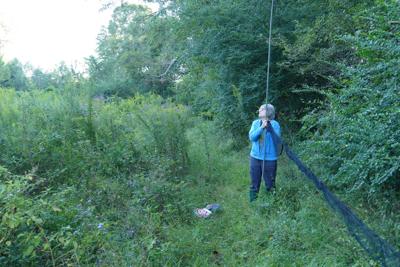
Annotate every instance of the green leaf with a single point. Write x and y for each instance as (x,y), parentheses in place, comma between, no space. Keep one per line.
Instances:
(28,251)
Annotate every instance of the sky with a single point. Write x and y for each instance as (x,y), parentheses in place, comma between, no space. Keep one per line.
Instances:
(46,32)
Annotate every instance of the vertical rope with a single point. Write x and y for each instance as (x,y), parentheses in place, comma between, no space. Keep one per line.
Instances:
(269,51)
(266,90)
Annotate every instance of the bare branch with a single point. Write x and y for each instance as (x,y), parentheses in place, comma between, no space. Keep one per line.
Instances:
(170,65)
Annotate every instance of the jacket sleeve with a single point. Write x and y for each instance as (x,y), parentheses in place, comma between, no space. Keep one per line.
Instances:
(277,129)
(255,131)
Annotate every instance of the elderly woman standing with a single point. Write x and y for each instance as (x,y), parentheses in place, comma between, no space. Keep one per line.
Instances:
(263,150)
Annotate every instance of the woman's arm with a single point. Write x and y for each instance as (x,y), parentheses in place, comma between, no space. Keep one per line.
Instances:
(255,131)
(277,128)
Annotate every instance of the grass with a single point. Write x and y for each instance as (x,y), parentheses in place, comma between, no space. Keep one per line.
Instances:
(291,227)
(146,203)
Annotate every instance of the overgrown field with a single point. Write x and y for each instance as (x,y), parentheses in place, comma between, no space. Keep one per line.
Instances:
(88,182)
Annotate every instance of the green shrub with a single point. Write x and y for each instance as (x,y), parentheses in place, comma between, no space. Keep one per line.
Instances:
(356,137)
(66,136)
(37,229)
(111,176)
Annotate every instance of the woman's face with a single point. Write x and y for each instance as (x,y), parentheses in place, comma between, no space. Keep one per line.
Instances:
(262,112)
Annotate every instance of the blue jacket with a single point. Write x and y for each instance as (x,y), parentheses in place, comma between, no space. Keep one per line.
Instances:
(258,150)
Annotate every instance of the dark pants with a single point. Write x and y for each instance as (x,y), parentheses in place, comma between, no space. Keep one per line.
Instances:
(256,167)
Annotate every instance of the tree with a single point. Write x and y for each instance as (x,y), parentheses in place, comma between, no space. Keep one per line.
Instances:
(225,43)
(131,53)
(40,79)
(4,73)
(17,78)
(214,55)
(358,132)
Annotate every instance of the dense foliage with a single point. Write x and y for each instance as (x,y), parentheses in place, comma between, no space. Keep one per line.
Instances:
(90,163)
(133,171)
(358,133)
(105,168)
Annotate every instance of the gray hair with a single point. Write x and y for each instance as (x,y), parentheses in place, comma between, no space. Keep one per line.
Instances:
(269,111)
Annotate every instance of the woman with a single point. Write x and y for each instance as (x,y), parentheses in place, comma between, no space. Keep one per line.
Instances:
(263,150)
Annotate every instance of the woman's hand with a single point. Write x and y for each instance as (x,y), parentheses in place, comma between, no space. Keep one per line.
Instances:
(264,123)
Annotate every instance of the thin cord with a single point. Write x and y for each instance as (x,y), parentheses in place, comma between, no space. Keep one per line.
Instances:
(266,91)
(269,51)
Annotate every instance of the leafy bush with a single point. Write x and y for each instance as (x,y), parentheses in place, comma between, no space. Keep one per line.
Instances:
(75,136)
(359,131)
(36,229)
(104,175)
